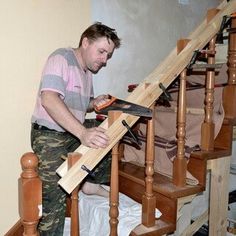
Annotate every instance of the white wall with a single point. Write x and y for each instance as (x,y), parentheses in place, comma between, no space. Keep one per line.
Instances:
(149,30)
(30,30)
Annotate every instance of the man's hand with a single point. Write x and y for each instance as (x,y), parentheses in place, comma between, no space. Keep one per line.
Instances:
(94,137)
(100,100)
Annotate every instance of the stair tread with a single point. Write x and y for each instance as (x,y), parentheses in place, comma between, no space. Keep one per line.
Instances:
(162,184)
(161,228)
(208,155)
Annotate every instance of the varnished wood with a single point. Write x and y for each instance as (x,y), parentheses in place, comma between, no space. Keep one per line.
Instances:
(180,162)
(30,194)
(149,199)
(16,230)
(114,185)
(74,211)
(143,96)
(229,93)
(208,126)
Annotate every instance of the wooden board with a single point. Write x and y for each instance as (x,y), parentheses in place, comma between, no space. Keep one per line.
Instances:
(145,95)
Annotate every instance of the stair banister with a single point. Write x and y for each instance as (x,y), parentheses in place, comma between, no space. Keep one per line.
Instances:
(30,194)
(74,209)
(180,162)
(114,183)
(208,126)
(230,90)
(149,199)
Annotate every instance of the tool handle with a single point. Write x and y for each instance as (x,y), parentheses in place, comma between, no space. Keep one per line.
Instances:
(106,104)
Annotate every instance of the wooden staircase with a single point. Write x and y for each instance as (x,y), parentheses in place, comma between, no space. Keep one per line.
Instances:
(215,159)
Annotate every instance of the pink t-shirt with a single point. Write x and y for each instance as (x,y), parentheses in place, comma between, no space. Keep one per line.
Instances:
(63,74)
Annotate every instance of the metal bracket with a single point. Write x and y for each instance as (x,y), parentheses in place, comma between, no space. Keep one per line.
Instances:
(225,22)
(90,173)
(167,95)
(134,137)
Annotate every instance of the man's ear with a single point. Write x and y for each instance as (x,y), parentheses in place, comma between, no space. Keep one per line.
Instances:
(85,42)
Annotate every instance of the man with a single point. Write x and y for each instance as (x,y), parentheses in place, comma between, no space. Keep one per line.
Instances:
(64,97)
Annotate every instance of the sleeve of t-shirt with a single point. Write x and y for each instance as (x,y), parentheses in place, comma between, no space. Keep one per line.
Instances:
(54,75)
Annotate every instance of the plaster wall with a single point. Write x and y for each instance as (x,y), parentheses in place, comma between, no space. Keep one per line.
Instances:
(30,31)
(149,30)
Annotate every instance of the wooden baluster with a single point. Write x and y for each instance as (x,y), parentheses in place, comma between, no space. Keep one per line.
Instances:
(114,186)
(208,126)
(180,162)
(149,199)
(30,194)
(229,92)
(74,226)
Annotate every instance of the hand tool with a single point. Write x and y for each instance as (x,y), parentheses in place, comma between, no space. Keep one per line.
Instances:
(124,106)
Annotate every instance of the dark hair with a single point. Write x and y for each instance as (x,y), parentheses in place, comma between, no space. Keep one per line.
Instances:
(98,30)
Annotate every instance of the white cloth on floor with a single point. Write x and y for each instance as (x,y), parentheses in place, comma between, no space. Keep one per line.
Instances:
(94,215)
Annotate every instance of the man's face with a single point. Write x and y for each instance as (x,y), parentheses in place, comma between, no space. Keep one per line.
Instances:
(96,53)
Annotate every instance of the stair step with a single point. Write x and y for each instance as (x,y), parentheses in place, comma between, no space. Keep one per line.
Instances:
(161,228)
(162,184)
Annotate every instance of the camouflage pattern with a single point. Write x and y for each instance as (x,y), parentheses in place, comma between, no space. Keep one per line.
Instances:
(51,147)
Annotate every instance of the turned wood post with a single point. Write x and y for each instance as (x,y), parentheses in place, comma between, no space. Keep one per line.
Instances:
(180,162)
(114,185)
(229,92)
(74,213)
(208,126)
(30,194)
(149,199)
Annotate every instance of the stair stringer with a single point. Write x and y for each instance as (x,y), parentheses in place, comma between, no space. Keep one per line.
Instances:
(145,95)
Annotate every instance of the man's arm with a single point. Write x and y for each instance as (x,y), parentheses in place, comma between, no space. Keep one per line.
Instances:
(56,108)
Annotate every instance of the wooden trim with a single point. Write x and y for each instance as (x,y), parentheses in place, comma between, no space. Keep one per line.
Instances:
(16,230)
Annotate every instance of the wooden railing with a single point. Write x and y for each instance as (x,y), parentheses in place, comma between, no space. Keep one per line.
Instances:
(30,183)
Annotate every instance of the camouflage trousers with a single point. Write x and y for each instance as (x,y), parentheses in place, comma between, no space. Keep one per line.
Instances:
(50,146)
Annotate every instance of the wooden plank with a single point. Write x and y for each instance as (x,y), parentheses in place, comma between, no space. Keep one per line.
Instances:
(219,195)
(194,227)
(145,95)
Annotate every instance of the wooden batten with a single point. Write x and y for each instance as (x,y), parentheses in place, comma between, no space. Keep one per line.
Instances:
(165,74)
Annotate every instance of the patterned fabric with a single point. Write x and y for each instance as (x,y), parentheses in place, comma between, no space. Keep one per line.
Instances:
(63,74)
(51,147)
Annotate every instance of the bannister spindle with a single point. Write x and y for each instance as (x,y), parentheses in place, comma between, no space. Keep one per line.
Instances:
(229,92)
(30,194)
(208,126)
(149,199)
(114,185)
(74,226)
(180,162)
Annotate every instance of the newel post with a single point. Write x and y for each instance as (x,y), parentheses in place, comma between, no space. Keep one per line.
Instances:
(30,194)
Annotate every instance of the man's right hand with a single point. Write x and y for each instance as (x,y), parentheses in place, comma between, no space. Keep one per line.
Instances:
(94,137)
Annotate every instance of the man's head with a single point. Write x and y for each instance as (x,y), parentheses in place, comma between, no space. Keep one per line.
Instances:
(96,46)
